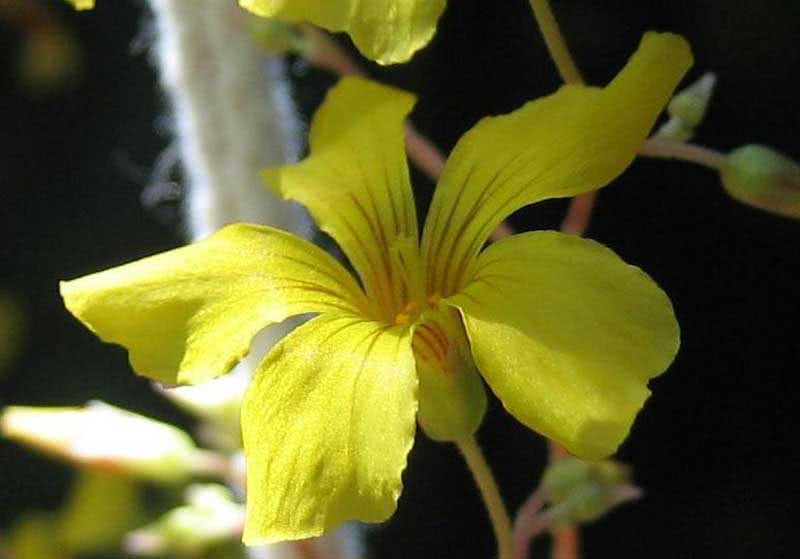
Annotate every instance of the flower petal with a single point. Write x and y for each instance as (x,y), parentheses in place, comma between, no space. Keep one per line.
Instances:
(573,141)
(567,335)
(387,31)
(356,185)
(189,314)
(82,4)
(327,425)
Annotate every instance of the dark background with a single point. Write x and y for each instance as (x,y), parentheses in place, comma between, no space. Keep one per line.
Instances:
(711,447)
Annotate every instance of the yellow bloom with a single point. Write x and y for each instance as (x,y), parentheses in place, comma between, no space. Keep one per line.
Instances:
(565,333)
(387,31)
(82,4)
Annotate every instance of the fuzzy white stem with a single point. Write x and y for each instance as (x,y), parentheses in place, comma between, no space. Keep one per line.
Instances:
(233,116)
(232,113)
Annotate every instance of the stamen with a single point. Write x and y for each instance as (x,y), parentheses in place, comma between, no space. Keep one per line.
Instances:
(406,277)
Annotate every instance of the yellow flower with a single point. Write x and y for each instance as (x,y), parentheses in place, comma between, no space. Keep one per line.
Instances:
(565,333)
(82,4)
(387,31)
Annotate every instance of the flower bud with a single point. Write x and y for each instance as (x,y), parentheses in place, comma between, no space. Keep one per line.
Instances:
(579,491)
(690,104)
(210,517)
(107,438)
(687,109)
(764,178)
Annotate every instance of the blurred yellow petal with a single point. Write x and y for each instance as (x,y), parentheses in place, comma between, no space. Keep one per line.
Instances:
(567,335)
(327,424)
(33,537)
(387,31)
(189,315)
(356,184)
(573,141)
(82,4)
(100,510)
(91,437)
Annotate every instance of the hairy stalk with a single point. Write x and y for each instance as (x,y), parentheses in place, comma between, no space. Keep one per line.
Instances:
(491,496)
(233,116)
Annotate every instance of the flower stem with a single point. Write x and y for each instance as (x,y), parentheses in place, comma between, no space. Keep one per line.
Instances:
(554,40)
(662,148)
(491,496)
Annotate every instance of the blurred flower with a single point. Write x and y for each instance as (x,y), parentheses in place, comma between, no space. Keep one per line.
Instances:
(49,59)
(209,518)
(106,438)
(387,31)
(100,509)
(564,332)
(218,402)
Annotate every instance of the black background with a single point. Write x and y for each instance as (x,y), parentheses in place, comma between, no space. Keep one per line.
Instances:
(712,446)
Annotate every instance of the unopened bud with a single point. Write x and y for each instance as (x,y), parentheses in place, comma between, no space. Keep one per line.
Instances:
(579,491)
(759,176)
(107,438)
(690,104)
(687,109)
(209,518)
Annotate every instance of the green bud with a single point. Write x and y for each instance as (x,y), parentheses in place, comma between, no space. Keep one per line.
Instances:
(675,129)
(210,517)
(103,437)
(763,178)
(690,104)
(579,491)
(687,109)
